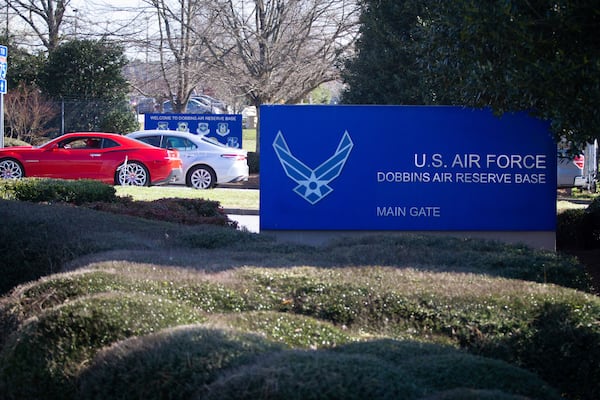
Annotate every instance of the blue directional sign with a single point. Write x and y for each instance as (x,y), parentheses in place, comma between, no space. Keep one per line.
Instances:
(3,68)
(409,168)
(226,128)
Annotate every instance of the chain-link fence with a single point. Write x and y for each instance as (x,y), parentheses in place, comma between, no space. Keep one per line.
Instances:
(34,122)
(93,115)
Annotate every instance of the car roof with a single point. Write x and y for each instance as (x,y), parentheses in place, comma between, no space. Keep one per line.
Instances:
(170,132)
(162,132)
(98,134)
(191,136)
(104,135)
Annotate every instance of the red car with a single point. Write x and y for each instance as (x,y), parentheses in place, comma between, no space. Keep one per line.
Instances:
(107,157)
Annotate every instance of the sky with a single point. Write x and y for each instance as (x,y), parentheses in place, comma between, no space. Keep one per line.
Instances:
(104,9)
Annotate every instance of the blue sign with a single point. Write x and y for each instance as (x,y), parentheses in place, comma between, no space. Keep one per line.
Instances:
(3,68)
(226,128)
(408,168)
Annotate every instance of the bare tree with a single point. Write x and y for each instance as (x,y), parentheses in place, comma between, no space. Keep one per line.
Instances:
(44,17)
(27,113)
(277,51)
(181,25)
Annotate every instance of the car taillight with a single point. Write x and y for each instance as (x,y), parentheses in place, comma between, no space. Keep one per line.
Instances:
(579,161)
(238,157)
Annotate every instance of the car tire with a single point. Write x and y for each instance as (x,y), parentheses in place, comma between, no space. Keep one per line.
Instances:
(201,177)
(11,169)
(132,173)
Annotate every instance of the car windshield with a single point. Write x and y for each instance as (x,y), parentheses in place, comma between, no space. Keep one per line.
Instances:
(212,141)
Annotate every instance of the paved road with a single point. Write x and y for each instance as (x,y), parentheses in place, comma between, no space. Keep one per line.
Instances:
(250,222)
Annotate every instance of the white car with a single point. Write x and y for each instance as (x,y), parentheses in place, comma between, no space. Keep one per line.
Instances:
(206,163)
(579,171)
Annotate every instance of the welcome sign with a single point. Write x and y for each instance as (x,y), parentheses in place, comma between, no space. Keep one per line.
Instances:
(406,168)
(226,128)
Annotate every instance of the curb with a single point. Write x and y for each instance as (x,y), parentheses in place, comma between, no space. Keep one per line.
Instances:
(240,211)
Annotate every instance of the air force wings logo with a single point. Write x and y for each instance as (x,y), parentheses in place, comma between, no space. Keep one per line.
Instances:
(312,184)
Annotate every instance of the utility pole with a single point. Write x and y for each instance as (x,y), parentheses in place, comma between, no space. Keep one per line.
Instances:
(3,88)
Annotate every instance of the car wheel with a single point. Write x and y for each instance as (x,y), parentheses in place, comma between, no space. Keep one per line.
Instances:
(132,173)
(10,169)
(201,177)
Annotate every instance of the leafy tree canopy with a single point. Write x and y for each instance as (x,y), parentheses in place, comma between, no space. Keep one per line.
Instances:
(541,56)
(385,69)
(87,76)
(86,69)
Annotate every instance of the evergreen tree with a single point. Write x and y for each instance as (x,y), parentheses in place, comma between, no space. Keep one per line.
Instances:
(540,56)
(86,76)
(385,69)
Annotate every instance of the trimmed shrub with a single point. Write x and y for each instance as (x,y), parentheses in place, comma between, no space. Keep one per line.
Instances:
(297,331)
(569,229)
(306,375)
(579,228)
(396,351)
(36,241)
(177,210)
(461,370)
(57,190)
(563,346)
(488,320)
(42,359)
(173,363)
(473,394)
(253,162)
(590,225)
(209,238)
(462,255)
(336,374)
(33,299)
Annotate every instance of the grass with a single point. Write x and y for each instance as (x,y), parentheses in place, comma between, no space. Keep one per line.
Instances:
(583,194)
(562,205)
(249,139)
(228,198)
(112,306)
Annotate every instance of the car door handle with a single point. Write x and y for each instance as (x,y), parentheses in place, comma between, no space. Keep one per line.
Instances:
(95,155)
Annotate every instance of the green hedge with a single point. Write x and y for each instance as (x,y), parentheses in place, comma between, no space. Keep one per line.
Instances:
(43,357)
(579,228)
(253,162)
(39,238)
(170,364)
(57,190)
(548,330)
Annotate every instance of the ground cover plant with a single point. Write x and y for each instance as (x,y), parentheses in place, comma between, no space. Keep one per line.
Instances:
(128,307)
(94,331)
